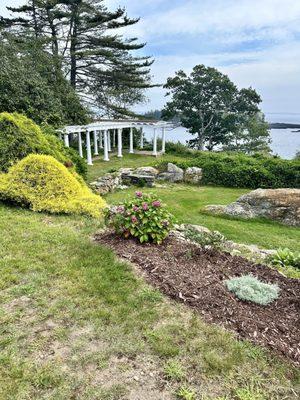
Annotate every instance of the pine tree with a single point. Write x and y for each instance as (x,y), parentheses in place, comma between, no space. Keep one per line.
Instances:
(82,36)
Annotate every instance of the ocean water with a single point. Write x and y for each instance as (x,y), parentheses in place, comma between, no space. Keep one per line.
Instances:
(285,142)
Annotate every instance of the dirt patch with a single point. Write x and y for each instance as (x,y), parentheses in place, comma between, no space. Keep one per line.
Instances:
(196,277)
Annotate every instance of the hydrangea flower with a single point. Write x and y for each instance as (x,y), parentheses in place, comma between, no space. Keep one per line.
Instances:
(156,203)
(120,209)
(145,206)
(136,208)
(138,194)
(134,219)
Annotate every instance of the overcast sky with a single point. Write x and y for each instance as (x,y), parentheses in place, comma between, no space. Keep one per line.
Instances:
(256,42)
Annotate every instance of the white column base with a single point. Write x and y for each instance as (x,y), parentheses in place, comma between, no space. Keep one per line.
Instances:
(105,144)
(154,153)
(96,152)
(88,148)
(66,140)
(131,151)
(80,145)
(120,143)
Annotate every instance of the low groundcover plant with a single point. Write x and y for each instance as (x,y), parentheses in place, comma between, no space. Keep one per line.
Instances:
(143,217)
(249,288)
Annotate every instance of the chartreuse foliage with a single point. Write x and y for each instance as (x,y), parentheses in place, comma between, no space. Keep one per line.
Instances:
(143,217)
(20,136)
(249,288)
(44,184)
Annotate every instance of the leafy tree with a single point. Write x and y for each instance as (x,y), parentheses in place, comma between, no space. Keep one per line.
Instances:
(252,136)
(209,105)
(82,36)
(29,84)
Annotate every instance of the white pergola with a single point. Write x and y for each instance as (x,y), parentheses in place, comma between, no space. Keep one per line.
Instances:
(104,136)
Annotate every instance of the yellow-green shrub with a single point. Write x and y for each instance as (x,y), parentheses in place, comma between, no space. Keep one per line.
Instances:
(42,183)
(20,136)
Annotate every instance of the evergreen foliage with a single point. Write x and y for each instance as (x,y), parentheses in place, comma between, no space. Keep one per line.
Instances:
(83,39)
(20,136)
(249,288)
(30,84)
(42,183)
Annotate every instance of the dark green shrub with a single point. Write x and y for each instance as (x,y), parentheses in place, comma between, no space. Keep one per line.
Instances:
(240,170)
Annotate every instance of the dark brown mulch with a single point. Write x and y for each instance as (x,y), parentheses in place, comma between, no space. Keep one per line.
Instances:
(196,277)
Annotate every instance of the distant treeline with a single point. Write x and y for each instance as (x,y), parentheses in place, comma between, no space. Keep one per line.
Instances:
(156,114)
(282,125)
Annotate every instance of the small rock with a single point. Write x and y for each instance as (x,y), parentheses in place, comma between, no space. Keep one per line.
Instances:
(193,175)
(146,171)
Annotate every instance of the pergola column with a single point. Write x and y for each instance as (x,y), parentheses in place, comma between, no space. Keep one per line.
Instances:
(120,143)
(100,140)
(105,144)
(114,138)
(66,139)
(109,140)
(154,142)
(96,152)
(88,148)
(142,138)
(131,151)
(80,144)
(163,149)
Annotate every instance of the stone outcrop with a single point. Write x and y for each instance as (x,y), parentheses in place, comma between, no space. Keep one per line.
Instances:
(251,252)
(173,174)
(107,183)
(193,175)
(281,205)
(144,176)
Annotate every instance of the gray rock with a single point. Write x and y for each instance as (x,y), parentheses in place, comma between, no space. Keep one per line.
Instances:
(215,208)
(281,205)
(138,180)
(105,184)
(173,174)
(146,171)
(193,175)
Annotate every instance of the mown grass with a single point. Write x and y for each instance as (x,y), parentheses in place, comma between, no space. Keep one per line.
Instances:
(101,167)
(76,323)
(187,204)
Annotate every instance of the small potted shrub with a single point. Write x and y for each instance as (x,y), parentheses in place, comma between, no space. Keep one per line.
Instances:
(143,217)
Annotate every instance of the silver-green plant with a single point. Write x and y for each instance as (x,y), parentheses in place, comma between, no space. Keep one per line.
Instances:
(249,288)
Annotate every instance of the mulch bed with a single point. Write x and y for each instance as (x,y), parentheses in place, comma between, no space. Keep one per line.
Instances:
(196,277)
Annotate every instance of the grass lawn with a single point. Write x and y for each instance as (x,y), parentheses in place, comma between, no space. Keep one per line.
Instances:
(76,323)
(101,167)
(187,203)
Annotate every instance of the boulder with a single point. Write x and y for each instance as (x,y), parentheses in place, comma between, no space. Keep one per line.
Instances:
(147,171)
(105,184)
(173,174)
(138,180)
(193,175)
(281,205)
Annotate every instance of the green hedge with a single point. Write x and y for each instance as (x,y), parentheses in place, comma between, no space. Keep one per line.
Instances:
(239,170)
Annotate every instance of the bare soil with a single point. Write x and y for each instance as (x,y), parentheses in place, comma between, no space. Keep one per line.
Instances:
(196,277)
